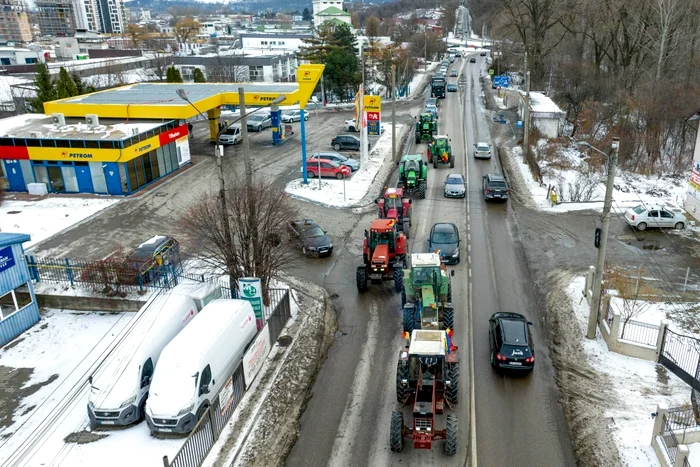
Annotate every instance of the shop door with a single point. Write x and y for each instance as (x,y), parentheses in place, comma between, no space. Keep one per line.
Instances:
(82,173)
(56,179)
(14,175)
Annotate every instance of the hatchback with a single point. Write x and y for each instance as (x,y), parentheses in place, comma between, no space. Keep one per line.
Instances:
(352,164)
(482,150)
(345,142)
(495,187)
(327,168)
(231,135)
(350,125)
(445,238)
(511,343)
(259,122)
(641,217)
(452,87)
(291,116)
(453,73)
(455,187)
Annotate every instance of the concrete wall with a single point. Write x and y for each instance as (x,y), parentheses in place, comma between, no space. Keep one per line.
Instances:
(631,349)
(109,305)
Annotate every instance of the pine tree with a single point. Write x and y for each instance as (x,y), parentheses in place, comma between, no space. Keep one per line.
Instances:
(169,74)
(65,87)
(198,76)
(45,89)
(79,85)
(176,76)
(306,15)
(173,75)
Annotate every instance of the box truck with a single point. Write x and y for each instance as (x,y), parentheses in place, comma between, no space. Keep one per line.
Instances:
(195,365)
(119,386)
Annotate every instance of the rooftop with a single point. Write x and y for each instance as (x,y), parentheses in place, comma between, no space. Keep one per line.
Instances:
(425,342)
(12,238)
(21,126)
(425,259)
(333,11)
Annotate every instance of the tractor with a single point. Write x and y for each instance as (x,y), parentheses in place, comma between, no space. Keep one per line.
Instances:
(413,174)
(427,377)
(427,294)
(440,151)
(384,251)
(394,206)
(426,127)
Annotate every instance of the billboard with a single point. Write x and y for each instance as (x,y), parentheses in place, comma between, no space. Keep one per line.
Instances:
(256,355)
(694,182)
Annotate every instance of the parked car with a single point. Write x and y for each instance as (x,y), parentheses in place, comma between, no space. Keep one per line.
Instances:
(642,217)
(231,135)
(495,187)
(453,73)
(346,142)
(350,125)
(452,87)
(482,150)
(147,258)
(511,343)
(432,101)
(352,164)
(472,60)
(455,186)
(310,237)
(291,116)
(445,237)
(259,122)
(327,168)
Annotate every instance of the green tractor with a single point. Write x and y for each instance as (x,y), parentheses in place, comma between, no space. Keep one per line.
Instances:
(413,174)
(427,294)
(440,151)
(426,127)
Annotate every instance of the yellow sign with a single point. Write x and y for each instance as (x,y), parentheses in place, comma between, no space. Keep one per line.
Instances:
(144,147)
(373,104)
(74,154)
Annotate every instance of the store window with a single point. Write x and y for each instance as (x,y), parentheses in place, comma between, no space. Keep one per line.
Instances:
(14,300)
(133,177)
(69,178)
(41,175)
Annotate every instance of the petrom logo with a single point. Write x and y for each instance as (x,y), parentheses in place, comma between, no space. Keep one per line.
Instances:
(249,290)
(76,155)
(267,99)
(144,148)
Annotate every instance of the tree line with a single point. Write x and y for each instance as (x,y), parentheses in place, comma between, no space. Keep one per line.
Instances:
(50,89)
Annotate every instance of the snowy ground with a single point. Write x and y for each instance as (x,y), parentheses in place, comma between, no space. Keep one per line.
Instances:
(350,192)
(46,217)
(634,387)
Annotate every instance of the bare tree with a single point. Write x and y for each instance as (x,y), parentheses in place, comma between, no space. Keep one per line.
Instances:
(228,68)
(186,28)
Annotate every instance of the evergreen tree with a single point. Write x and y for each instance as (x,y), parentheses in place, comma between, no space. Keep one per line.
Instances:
(169,75)
(173,75)
(65,87)
(176,76)
(198,76)
(79,85)
(45,89)
(306,15)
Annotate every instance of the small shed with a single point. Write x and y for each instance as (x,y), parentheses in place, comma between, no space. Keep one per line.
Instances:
(18,308)
(545,115)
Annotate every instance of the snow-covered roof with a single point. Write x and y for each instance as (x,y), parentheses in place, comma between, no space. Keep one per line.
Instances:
(427,342)
(21,126)
(541,104)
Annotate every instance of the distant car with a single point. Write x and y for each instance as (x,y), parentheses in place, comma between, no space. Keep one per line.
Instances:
(352,164)
(510,341)
(482,150)
(310,237)
(432,101)
(483,54)
(458,54)
(642,217)
(453,73)
(327,168)
(345,142)
(259,122)
(433,110)
(151,254)
(472,60)
(350,125)
(452,87)
(231,135)
(455,186)
(445,237)
(291,116)
(495,187)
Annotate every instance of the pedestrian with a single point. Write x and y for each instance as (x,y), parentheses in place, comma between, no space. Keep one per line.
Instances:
(189,128)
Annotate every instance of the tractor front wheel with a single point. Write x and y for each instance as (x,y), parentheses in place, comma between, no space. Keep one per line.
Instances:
(452,391)
(409,317)
(407,228)
(451,435)
(396,434)
(398,279)
(421,190)
(361,279)
(401,376)
(448,318)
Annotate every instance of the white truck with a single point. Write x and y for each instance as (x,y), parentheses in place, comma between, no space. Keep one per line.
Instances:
(197,363)
(119,387)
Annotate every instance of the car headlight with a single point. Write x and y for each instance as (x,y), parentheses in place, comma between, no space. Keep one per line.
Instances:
(455,255)
(330,246)
(311,248)
(186,409)
(91,404)
(128,402)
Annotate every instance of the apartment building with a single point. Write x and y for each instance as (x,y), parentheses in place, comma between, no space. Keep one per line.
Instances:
(62,18)
(14,22)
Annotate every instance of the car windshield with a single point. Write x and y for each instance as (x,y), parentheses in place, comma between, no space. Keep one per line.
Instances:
(514,332)
(314,231)
(392,203)
(444,237)
(639,209)
(257,117)
(454,180)
(411,165)
(482,147)
(498,184)
(231,131)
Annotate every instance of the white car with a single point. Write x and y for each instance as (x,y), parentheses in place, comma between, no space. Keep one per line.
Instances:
(231,135)
(642,217)
(291,116)
(482,150)
(350,125)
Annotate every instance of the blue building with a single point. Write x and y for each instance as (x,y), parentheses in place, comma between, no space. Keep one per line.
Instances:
(18,308)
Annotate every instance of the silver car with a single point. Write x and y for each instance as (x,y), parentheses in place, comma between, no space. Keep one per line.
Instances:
(455,186)
(482,150)
(642,217)
(258,122)
(291,116)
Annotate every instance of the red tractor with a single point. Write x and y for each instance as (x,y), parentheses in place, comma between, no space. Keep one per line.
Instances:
(427,377)
(394,206)
(384,252)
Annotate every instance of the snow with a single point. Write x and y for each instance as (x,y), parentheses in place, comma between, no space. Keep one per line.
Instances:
(636,385)
(46,217)
(541,103)
(9,124)
(419,77)
(655,312)
(694,454)
(345,193)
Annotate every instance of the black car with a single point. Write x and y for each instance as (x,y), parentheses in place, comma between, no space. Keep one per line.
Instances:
(472,60)
(495,187)
(445,237)
(511,342)
(148,257)
(483,54)
(310,237)
(346,142)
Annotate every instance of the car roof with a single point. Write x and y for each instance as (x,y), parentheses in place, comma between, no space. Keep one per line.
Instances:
(455,176)
(444,227)
(481,143)
(496,177)
(513,328)
(306,223)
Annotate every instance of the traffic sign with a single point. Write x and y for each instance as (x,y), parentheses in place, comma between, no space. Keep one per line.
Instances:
(491,72)
(501,80)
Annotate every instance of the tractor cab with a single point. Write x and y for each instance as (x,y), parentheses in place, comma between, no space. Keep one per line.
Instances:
(383,234)
(384,254)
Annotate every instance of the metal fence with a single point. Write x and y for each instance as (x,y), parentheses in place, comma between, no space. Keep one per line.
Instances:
(681,355)
(669,441)
(639,332)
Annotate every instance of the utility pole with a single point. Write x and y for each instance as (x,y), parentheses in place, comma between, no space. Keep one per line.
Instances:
(244,139)
(526,116)
(600,265)
(425,51)
(363,126)
(393,113)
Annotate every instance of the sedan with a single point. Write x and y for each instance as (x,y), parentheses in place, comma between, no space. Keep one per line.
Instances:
(310,237)
(642,217)
(432,101)
(352,164)
(452,87)
(511,343)
(326,168)
(472,60)
(345,142)
(453,73)
(483,54)
(291,116)
(455,186)
(259,122)
(350,125)
(482,150)
(445,238)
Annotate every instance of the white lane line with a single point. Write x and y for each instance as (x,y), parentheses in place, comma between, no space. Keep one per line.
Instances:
(470,273)
(350,424)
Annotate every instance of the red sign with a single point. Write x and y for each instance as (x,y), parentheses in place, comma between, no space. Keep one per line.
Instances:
(172,135)
(373,116)
(14,152)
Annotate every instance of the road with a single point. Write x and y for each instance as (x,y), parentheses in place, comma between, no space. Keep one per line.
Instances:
(518,421)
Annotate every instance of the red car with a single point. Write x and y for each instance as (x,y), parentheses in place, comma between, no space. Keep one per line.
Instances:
(328,169)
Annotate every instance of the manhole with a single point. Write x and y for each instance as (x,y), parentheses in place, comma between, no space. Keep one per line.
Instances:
(284,341)
(13,212)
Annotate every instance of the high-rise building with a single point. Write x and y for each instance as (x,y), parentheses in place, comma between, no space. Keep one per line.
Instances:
(112,17)
(14,22)
(107,16)
(56,17)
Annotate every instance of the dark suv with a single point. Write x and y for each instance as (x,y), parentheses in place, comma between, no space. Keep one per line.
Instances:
(346,142)
(511,342)
(495,187)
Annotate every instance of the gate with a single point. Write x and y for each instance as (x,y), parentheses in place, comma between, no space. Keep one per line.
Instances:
(681,355)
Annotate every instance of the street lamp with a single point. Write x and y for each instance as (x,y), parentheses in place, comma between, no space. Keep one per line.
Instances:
(600,264)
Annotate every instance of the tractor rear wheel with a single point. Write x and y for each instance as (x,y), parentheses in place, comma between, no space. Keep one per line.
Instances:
(452,391)
(401,374)
(398,279)
(435,162)
(396,434)
(448,318)
(421,190)
(361,279)
(451,435)
(449,292)
(406,228)
(409,317)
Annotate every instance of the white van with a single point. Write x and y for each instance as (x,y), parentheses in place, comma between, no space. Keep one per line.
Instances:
(119,387)
(196,364)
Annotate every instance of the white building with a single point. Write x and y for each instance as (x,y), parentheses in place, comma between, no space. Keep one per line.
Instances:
(240,65)
(545,115)
(108,16)
(273,41)
(12,56)
(330,10)
(692,200)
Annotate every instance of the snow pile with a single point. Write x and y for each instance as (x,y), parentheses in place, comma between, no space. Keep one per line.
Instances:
(349,192)
(46,217)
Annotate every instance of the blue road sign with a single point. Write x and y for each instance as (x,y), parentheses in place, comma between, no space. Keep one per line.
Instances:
(501,80)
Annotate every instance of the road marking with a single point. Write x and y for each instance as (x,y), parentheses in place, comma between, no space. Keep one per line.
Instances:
(469,236)
(469,247)
(470,273)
